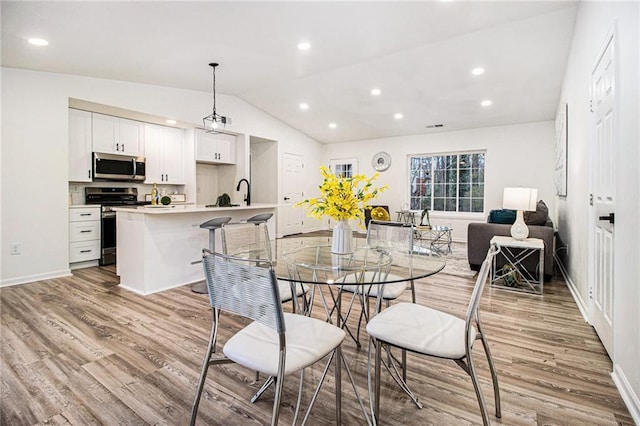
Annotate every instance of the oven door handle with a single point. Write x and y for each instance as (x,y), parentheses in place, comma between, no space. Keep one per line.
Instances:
(107,215)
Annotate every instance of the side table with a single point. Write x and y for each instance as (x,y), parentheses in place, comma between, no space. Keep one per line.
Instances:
(405,216)
(439,237)
(513,275)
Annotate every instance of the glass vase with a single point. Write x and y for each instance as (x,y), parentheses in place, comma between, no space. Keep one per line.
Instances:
(342,240)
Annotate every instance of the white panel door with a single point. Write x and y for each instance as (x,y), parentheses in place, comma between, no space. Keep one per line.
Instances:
(291,217)
(603,185)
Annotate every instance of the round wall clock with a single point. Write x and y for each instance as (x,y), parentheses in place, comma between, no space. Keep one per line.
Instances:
(381,161)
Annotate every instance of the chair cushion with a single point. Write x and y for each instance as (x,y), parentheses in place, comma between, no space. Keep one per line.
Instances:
(420,329)
(284,287)
(307,340)
(391,290)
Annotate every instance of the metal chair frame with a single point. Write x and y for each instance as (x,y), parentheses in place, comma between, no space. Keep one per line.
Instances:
(236,285)
(255,233)
(375,239)
(472,320)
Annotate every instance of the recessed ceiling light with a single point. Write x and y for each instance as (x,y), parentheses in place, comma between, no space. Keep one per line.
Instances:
(333,125)
(304,45)
(304,106)
(486,103)
(376,92)
(477,71)
(397,116)
(38,41)
(171,121)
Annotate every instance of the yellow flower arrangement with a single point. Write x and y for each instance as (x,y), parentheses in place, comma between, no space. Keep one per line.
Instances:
(342,198)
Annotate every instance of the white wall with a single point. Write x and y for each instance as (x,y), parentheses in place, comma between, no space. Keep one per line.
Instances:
(35,150)
(594,21)
(517,155)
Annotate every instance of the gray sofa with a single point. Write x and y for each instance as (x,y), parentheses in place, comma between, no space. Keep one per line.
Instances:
(479,235)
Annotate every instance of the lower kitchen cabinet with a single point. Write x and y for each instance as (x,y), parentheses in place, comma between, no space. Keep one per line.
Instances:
(84,235)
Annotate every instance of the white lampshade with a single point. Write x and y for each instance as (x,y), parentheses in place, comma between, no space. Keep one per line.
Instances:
(524,199)
(519,199)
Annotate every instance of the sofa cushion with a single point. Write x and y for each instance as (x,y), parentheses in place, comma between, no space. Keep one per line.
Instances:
(539,217)
(503,216)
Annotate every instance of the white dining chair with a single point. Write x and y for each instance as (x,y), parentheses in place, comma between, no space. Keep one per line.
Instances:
(391,237)
(426,331)
(275,343)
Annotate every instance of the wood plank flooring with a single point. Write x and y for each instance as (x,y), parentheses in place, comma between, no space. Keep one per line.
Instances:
(82,351)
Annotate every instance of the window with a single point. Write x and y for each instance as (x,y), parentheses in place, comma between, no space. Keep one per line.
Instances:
(447,183)
(345,168)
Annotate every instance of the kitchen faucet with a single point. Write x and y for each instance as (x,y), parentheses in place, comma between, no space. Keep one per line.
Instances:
(247,197)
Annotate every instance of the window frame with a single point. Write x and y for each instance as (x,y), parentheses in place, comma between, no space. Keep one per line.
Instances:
(447,213)
(334,163)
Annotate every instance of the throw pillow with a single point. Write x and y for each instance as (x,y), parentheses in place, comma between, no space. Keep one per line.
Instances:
(539,217)
(503,216)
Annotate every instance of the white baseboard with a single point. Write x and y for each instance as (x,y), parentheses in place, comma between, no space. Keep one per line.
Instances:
(85,264)
(582,306)
(626,391)
(36,277)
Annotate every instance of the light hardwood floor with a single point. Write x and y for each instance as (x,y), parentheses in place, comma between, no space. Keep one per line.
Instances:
(82,351)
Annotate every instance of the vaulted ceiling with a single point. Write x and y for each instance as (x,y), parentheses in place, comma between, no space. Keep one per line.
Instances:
(418,54)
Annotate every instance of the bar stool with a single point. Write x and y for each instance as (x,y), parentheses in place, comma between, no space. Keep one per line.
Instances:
(259,218)
(211,225)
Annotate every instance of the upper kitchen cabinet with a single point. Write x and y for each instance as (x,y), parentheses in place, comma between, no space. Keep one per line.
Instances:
(215,147)
(117,135)
(79,145)
(164,154)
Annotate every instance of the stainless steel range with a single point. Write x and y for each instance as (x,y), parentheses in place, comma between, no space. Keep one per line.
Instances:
(109,198)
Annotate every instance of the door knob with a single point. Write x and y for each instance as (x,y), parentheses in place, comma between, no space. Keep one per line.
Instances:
(286,198)
(610,217)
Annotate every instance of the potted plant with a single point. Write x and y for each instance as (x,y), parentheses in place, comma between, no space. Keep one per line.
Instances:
(342,199)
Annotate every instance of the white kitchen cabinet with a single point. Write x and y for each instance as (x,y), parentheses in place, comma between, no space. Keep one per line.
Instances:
(164,154)
(84,234)
(115,135)
(79,146)
(215,148)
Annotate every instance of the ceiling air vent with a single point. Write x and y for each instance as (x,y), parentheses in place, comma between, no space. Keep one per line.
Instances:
(434,126)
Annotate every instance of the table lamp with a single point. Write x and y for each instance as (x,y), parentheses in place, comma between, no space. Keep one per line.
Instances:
(520,199)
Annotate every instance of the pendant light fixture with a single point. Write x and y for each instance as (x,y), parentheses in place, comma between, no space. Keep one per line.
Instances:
(215,123)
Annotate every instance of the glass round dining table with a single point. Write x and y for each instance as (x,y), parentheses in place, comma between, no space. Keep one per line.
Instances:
(307,260)
(315,263)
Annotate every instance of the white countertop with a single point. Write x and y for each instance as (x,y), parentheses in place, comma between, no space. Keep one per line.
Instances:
(190,208)
(83,206)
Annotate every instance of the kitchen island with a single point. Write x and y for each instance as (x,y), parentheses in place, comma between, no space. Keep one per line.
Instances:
(156,245)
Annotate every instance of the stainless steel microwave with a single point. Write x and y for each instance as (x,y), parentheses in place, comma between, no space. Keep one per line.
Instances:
(118,167)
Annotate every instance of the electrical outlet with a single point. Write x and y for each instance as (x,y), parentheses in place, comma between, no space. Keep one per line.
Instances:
(16,248)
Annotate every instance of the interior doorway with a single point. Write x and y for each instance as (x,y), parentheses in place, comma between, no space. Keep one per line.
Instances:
(292,180)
